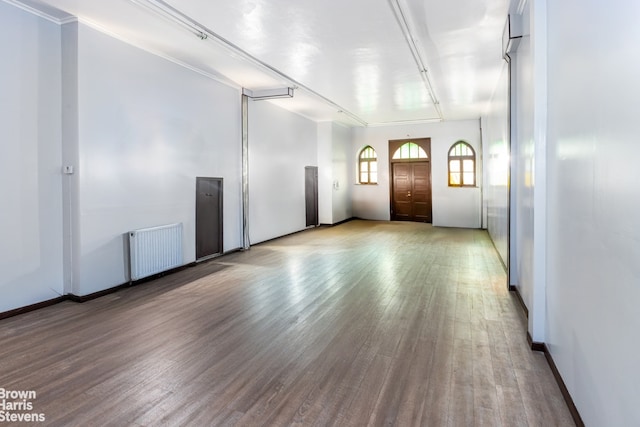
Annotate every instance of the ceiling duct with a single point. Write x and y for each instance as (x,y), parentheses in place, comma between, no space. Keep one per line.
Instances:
(511,35)
(259,95)
(401,18)
(166,11)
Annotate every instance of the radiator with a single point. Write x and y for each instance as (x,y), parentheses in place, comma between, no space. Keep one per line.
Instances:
(154,250)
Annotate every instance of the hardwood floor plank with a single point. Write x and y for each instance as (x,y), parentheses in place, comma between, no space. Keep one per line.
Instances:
(365,323)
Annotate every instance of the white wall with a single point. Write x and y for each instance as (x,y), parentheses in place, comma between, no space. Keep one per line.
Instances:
(30,164)
(334,167)
(147,128)
(593,280)
(342,160)
(495,128)
(452,206)
(281,144)
(325,172)
(529,92)
(523,163)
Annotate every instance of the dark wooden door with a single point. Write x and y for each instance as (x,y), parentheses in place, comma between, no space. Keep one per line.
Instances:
(411,191)
(208,217)
(311,194)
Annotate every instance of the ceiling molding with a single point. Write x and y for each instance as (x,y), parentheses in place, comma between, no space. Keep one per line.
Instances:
(69,20)
(217,77)
(165,10)
(32,10)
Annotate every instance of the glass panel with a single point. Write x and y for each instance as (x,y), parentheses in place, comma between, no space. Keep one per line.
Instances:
(454,165)
(374,166)
(404,151)
(374,178)
(454,178)
(368,153)
(364,166)
(461,149)
(468,178)
(413,151)
(467,165)
(410,150)
(364,178)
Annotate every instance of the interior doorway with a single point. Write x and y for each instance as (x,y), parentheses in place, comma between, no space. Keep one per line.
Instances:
(208,217)
(410,167)
(311,194)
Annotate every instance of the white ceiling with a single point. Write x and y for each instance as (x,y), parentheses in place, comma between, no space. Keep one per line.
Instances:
(353,56)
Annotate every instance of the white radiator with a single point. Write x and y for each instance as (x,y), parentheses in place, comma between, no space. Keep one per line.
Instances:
(154,250)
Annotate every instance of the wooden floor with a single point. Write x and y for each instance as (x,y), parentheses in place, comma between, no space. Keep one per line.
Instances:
(365,323)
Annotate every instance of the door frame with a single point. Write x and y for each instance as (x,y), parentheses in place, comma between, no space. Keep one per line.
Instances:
(220,182)
(394,144)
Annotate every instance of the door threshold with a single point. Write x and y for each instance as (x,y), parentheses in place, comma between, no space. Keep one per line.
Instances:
(208,257)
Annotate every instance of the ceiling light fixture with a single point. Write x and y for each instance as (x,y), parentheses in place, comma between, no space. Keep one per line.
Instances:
(168,12)
(405,122)
(401,17)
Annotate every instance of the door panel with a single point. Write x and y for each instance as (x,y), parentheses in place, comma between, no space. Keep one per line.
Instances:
(411,192)
(208,217)
(402,191)
(421,191)
(311,194)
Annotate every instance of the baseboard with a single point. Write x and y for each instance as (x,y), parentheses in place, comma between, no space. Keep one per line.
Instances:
(213,257)
(563,388)
(515,290)
(542,347)
(535,345)
(92,296)
(89,297)
(32,307)
(342,222)
(308,228)
(504,265)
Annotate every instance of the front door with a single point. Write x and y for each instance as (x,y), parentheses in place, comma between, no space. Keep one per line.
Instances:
(411,191)
(208,217)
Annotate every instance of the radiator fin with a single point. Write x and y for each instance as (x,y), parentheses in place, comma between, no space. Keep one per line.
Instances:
(154,250)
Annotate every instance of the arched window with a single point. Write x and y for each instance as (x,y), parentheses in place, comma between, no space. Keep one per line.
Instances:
(462,165)
(368,166)
(410,150)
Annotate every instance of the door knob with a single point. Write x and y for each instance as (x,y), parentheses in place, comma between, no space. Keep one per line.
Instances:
(408,193)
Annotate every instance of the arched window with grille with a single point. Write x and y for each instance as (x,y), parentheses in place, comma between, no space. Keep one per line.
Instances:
(368,166)
(462,165)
